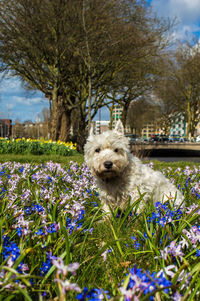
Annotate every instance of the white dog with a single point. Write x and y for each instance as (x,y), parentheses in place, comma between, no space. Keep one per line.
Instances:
(120,175)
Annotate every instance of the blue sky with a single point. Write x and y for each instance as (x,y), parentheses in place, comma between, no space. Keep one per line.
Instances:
(16,103)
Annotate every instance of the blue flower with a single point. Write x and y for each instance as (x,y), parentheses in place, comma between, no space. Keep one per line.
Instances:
(198,195)
(19,231)
(2,192)
(92,295)
(137,245)
(148,282)
(52,228)
(164,214)
(2,172)
(37,208)
(45,267)
(27,210)
(198,253)
(21,169)
(75,224)
(39,232)
(49,180)
(10,249)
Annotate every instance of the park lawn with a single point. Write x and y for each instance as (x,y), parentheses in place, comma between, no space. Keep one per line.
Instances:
(39,159)
(58,244)
(79,158)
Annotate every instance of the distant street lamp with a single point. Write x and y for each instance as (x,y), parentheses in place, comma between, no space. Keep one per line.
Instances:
(38,120)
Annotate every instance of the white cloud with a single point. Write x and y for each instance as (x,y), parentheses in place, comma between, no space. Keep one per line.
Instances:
(10,86)
(10,106)
(187,13)
(17,103)
(27,101)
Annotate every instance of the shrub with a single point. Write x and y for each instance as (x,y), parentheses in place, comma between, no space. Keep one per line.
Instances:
(36,147)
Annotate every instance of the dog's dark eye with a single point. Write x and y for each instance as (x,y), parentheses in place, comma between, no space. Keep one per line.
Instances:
(97,150)
(116,150)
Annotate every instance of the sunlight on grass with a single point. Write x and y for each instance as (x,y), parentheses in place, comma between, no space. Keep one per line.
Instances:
(56,242)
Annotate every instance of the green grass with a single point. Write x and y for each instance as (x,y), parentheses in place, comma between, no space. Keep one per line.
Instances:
(79,158)
(39,159)
(60,214)
(181,164)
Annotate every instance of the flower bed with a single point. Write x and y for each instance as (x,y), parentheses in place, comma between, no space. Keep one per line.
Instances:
(36,147)
(57,242)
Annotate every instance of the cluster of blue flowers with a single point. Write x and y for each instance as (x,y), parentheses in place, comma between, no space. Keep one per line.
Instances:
(2,172)
(76,223)
(2,192)
(136,244)
(52,193)
(21,169)
(19,231)
(34,208)
(147,282)
(51,229)
(10,249)
(93,295)
(164,214)
(45,267)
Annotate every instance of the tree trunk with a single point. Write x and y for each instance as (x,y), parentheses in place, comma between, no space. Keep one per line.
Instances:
(124,114)
(89,101)
(61,119)
(81,134)
(111,108)
(65,125)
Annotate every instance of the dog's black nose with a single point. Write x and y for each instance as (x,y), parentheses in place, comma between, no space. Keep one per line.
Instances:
(108,164)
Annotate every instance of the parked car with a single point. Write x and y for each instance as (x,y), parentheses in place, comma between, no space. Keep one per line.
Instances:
(155,138)
(183,139)
(174,138)
(132,138)
(145,139)
(163,138)
(159,138)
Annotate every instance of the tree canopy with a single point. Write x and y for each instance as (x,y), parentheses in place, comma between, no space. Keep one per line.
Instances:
(79,52)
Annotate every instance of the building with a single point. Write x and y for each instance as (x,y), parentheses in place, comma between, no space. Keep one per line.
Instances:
(148,130)
(101,126)
(5,128)
(116,114)
(198,129)
(178,127)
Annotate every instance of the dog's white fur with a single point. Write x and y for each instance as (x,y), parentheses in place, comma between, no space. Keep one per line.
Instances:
(120,175)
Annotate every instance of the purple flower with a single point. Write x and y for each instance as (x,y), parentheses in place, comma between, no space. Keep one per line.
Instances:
(64,269)
(143,282)
(68,286)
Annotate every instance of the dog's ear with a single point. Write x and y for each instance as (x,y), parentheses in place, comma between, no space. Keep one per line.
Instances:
(119,127)
(91,130)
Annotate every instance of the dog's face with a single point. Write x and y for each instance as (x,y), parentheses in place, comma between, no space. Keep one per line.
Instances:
(107,154)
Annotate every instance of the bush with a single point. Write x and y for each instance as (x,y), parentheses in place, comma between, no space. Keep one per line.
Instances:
(36,147)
